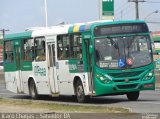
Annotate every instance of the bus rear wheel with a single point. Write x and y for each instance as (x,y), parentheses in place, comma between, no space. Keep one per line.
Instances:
(133,96)
(33,90)
(81,98)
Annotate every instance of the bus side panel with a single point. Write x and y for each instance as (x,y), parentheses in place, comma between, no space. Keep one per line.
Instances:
(85,81)
(65,78)
(70,85)
(25,76)
(12,70)
(11,81)
(66,88)
(40,71)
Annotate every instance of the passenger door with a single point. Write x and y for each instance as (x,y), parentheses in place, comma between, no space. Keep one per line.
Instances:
(17,47)
(88,65)
(52,68)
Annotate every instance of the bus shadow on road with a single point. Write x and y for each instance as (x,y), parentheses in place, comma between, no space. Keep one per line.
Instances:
(93,100)
(71,99)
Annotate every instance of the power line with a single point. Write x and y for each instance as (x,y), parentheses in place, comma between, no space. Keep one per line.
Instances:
(125,7)
(137,6)
(147,1)
(153,22)
(121,6)
(121,13)
(127,12)
(152,2)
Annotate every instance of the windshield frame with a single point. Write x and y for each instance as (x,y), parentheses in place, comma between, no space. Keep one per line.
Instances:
(148,38)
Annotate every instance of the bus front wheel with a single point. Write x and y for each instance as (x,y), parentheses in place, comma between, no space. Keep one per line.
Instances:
(133,96)
(81,98)
(33,90)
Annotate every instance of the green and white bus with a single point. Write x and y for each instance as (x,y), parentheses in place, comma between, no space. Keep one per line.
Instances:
(86,59)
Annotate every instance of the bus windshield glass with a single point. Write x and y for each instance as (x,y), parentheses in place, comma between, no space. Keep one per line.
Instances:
(123,52)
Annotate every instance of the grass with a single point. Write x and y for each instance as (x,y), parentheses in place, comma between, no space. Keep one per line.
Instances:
(61,107)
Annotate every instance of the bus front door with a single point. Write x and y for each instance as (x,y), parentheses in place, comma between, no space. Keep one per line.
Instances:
(52,69)
(89,65)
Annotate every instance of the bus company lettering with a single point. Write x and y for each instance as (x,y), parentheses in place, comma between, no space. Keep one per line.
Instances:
(38,71)
(72,67)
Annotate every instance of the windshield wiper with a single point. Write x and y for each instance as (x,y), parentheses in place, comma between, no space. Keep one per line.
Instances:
(114,44)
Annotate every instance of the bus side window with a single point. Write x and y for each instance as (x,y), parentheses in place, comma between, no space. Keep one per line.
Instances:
(28,50)
(63,47)
(40,53)
(8,52)
(76,46)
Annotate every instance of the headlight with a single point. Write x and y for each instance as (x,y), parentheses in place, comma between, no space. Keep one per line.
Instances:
(148,76)
(103,78)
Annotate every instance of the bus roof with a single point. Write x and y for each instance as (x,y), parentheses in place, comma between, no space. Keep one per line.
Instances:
(87,26)
(64,29)
(18,35)
(54,30)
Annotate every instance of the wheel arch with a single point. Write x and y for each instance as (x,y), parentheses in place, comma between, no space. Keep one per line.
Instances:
(76,78)
(32,88)
(29,80)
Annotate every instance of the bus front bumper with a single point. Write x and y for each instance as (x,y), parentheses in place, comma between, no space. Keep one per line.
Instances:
(123,88)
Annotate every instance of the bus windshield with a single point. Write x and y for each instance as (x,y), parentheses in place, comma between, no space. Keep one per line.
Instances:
(123,52)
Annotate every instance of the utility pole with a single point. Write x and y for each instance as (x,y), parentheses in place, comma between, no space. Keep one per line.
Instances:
(1,38)
(46,12)
(3,31)
(137,6)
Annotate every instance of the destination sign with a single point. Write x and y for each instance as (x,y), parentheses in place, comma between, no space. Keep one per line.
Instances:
(120,29)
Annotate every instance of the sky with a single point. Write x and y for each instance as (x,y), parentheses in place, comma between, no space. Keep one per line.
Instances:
(18,15)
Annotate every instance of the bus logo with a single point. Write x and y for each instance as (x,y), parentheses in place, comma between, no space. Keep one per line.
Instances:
(38,71)
(72,67)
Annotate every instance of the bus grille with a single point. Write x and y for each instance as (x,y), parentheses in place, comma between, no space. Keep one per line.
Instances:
(123,80)
(125,74)
(127,86)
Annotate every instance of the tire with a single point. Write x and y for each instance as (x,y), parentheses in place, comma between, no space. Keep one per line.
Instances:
(133,96)
(33,90)
(81,98)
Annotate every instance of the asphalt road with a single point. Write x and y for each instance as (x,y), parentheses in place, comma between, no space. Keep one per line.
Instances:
(149,101)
